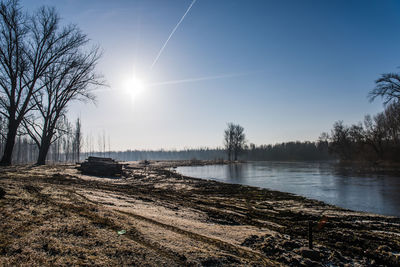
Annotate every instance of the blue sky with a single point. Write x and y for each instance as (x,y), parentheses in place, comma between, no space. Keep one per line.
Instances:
(284,70)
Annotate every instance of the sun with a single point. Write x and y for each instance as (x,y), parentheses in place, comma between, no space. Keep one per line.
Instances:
(134,86)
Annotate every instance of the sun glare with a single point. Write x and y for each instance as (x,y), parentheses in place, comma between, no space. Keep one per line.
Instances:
(134,86)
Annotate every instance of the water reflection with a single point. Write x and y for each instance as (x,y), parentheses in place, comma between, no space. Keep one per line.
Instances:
(324,181)
(235,172)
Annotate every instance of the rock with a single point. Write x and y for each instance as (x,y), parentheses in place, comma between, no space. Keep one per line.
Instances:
(310,254)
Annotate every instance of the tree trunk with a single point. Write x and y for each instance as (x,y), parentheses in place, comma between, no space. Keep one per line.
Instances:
(229,155)
(10,142)
(43,150)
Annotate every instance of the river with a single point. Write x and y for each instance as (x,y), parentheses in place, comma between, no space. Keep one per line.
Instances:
(325,181)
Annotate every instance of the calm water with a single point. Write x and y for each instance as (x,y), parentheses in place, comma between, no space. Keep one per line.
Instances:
(323,181)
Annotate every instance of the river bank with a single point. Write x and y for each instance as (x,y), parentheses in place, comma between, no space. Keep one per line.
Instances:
(54,215)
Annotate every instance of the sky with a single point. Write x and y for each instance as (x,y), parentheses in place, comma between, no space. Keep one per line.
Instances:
(284,70)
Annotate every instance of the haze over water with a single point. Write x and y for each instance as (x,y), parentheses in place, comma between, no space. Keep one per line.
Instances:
(317,180)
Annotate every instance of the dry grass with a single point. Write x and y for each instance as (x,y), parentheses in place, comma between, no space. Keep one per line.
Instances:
(55,228)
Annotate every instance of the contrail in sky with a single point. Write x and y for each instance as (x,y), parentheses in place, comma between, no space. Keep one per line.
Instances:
(206,78)
(172,33)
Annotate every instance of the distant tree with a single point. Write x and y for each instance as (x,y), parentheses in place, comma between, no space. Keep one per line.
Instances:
(67,140)
(239,140)
(252,146)
(78,139)
(229,139)
(104,143)
(377,139)
(341,141)
(109,147)
(387,87)
(375,133)
(323,143)
(392,121)
(234,140)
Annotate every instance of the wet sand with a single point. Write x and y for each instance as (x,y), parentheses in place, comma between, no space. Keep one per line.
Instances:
(53,215)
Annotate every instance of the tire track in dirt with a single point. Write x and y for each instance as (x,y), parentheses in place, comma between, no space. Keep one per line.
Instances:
(222,215)
(235,250)
(244,254)
(85,212)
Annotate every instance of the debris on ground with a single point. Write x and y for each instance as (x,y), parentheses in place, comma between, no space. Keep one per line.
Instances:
(121,232)
(101,167)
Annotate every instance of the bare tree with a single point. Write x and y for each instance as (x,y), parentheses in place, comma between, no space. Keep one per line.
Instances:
(387,87)
(228,140)
(29,45)
(375,133)
(104,143)
(234,140)
(78,139)
(67,140)
(239,140)
(87,145)
(69,79)
(392,122)
(341,141)
(99,144)
(109,147)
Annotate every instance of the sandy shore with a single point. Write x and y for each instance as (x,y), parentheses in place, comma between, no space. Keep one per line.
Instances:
(53,215)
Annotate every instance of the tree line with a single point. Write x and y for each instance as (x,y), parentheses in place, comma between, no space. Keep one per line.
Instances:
(43,67)
(67,148)
(235,144)
(288,151)
(375,139)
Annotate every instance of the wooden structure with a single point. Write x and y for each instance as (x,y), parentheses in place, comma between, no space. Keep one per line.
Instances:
(101,167)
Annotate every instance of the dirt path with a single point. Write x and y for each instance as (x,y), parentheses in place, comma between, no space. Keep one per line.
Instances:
(54,215)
